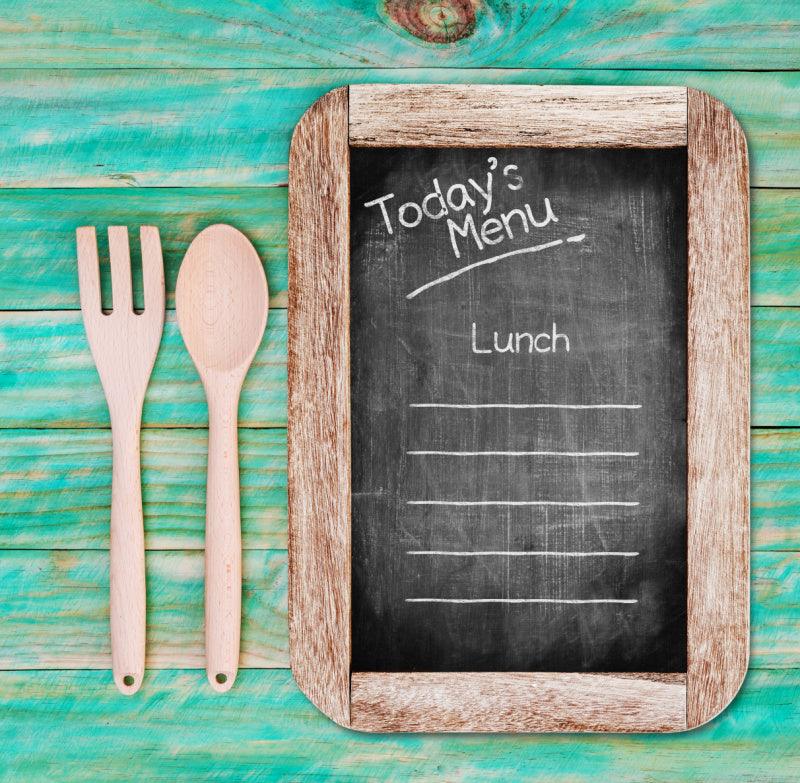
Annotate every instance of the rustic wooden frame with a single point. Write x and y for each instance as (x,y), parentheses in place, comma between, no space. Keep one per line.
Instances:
(718,384)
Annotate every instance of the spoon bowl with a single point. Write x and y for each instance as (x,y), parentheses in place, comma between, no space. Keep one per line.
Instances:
(221,299)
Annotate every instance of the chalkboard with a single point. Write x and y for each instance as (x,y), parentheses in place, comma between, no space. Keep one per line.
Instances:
(518,332)
(518,407)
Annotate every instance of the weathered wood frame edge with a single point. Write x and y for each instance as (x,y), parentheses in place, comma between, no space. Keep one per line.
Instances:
(718,446)
(452,115)
(318,437)
(319,527)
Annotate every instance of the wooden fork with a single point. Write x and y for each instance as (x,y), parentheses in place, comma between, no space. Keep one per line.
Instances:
(124,346)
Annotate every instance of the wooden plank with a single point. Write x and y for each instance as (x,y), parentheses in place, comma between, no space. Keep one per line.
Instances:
(36,346)
(775,342)
(73,726)
(518,702)
(67,594)
(319,405)
(775,609)
(196,128)
(312,33)
(37,236)
(774,239)
(37,256)
(718,438)
(775,485)
(55,488)
(441,115)
(40,347)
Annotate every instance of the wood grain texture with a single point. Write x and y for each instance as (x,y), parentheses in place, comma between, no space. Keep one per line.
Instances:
(222,304)
(517,701)
(34,224)
(440,115)
(718,439)
(124,345)
(114,126)
(37,254)
(349,33)
(73,726)
(319,406)
(55,488)
(39,347)
(231,128)
(775,489)
(774,239)
(55,609)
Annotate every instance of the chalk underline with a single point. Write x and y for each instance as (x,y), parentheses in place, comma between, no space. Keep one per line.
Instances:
(566,406)
(525,453)
(579,503)
(522,600)
(493,260)
(519,553)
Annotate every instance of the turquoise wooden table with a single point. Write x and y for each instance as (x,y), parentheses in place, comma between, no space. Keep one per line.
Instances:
(179,114)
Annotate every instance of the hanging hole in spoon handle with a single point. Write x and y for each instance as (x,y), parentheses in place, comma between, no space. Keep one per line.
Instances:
(221,682)
(129,684)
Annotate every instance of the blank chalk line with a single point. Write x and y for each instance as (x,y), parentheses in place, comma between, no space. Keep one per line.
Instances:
(578,503)
(492,260)
(522,600)
(525,453)
(520,553)
(523,405)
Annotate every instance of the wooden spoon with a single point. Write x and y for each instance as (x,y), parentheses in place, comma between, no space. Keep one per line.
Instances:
(222,303)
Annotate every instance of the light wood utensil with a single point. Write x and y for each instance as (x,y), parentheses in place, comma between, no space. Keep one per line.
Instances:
(222,303)
(124,345)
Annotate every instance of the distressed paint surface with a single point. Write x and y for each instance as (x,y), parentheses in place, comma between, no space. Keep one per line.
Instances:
(231,128)
(219,140)
(37,254)
(50,379)
(37,236)
(55,610)
(55,489)
(72,725)
(363,33)
(54,606)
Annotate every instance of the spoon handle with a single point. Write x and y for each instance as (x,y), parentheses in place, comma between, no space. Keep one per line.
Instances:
(223,589)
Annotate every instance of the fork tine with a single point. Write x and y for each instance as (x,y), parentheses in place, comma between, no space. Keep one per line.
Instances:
(152,270)
(121,288)
(88,272)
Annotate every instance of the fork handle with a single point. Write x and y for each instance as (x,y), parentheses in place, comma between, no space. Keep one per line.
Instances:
(127,579)
(223,589)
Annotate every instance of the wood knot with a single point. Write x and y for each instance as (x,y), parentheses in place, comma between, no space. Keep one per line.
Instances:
(434,21)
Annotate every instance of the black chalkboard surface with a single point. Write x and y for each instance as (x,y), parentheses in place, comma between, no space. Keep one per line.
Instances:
(518,402)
